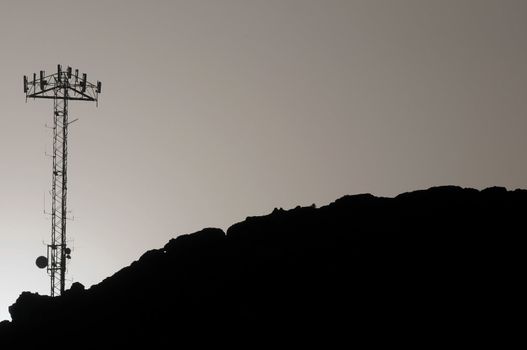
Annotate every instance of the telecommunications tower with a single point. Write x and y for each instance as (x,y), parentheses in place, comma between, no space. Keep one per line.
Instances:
(61,87)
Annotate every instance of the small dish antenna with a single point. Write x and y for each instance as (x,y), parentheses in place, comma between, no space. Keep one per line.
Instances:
(42,262)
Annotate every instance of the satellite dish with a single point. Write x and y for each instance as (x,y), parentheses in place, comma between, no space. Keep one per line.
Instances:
(42,262)
(67,251)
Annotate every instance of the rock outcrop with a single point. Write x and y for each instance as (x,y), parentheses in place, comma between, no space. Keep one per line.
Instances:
(436,264)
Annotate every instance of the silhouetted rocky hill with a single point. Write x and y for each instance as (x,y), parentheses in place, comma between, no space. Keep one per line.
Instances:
(442,264)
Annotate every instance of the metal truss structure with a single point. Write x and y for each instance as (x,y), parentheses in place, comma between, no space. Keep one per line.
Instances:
(62,87)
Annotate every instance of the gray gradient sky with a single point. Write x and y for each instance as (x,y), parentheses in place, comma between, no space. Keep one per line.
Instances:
(216,110)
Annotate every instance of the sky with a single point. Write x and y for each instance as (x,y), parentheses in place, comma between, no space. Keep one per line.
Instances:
(212,111)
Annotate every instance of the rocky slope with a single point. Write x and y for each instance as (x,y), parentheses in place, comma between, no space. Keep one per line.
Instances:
(436,264)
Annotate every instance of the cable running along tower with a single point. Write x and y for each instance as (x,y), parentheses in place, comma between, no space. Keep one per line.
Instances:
(61,87)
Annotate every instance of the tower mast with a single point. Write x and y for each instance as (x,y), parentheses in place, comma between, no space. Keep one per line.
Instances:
(62,87)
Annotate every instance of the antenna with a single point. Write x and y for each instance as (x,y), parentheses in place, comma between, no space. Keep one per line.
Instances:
(61,87)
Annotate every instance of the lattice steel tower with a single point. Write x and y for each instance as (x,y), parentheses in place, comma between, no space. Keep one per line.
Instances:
(62,87)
